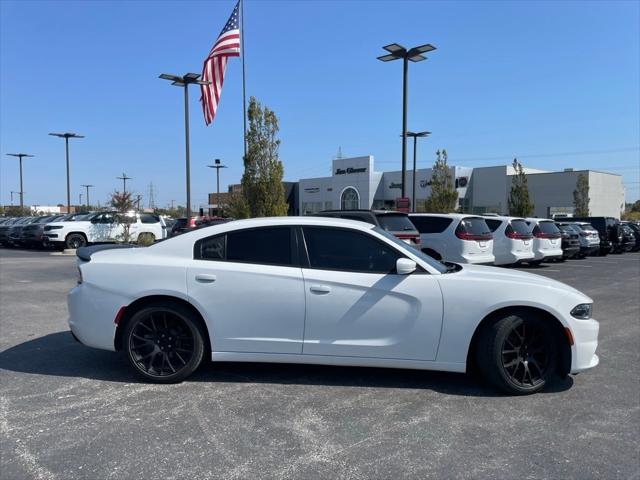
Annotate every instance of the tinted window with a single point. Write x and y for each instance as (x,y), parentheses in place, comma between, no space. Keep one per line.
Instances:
(395,223)
(261,245)
(474,226)
(493,224)
(149,218)
(338,249)
(521,227)
(431,224)
(548,227)
(357,218)
(212,248)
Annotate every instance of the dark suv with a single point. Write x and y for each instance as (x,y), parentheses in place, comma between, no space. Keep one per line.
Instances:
(609,230)
(396,223)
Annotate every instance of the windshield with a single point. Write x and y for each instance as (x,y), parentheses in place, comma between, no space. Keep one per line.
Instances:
(439,266)
(395,223)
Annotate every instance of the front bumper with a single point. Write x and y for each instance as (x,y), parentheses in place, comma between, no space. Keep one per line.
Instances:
(585,338)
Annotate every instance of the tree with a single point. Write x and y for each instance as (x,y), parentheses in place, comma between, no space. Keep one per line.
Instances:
(581,196)
(236,206)
(518,202)
(262,187)
(443,197)
(122,202)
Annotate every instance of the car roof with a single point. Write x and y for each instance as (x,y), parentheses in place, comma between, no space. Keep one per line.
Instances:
(356,210)
(447,215)
(501,217)
(537,220)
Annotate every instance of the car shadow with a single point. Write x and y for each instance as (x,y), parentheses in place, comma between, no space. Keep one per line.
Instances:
(59,355)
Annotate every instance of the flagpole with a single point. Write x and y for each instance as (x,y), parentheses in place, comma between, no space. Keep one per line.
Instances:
(244,88)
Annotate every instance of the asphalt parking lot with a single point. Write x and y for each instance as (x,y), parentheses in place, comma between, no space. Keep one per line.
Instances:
(68,411)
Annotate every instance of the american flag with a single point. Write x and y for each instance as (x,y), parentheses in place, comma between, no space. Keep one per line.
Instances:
(227,45)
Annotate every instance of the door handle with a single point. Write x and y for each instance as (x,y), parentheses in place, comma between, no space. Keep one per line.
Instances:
(321,289)
(205,278)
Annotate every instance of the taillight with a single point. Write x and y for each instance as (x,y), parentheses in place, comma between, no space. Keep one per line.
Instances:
(471,236)
(546,235)
(192,222)
(517,236)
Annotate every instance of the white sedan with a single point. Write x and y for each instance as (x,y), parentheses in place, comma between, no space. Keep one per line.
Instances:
(325,291)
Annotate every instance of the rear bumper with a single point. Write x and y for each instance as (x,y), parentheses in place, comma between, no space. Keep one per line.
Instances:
(484,259)
(588,250)
(547,253)
(570,251)
(91,316)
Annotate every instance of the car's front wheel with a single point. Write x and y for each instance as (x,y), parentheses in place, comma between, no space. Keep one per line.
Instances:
(75,241)
(517,353)
(163,343)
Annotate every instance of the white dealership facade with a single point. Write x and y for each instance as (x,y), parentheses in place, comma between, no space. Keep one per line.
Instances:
(355,183)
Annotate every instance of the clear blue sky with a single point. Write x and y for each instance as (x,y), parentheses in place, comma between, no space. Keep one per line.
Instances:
(554,83)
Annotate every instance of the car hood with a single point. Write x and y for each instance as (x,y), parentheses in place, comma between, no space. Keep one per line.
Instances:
(503,275)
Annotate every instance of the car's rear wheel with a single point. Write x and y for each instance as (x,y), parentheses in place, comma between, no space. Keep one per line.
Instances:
(75,240)
(164,343)
(517,353)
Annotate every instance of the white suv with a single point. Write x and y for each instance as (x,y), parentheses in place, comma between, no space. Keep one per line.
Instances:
(512,240)
(589,237)
(547,240)
(454,237)
(105,227)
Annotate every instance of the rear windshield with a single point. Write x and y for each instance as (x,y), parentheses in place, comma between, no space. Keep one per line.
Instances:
(395,223)
(548,227)
(474,226)
(521,227)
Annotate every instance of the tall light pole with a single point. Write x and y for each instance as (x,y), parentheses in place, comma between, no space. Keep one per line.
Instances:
(184,82)
(217,166)
(87,187)
(396,52)
(415,136)
(80,199)
(20,156)
(124,179)
(66,137)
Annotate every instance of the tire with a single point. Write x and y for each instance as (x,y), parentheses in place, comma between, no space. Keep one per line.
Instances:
(146,238)
(535,263)
(517,353)
(75,241)
(163,343)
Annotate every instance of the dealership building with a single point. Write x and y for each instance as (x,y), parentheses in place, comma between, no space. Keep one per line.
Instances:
(354,183)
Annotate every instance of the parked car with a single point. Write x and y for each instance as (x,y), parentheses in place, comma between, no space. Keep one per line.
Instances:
(454,237)
(588,236)
(628,242)
(5,228)
(325,291)
(104,227)
(547,240)
(608,229)
(15,231)
(636,231)
(179,225)
(570,242)
(512,240)
(32,234)
(396,223)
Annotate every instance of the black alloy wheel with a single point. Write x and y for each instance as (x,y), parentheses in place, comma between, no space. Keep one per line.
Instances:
(75,241)
(518,353)
(164,343)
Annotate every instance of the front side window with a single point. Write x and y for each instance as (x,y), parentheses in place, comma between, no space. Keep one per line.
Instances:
(348,250)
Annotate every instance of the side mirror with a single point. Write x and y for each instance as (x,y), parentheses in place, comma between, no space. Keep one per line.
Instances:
(404,266)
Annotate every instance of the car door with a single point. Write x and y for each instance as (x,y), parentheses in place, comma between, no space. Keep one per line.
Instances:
(248,285)
(357,306)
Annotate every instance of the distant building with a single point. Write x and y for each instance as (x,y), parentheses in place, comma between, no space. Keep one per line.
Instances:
(50,209)
(354,183)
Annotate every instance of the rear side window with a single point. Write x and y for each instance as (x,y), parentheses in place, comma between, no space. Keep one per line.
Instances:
(395,223)
(149,218)
(212,248)
(347,250)
(271,246)
(493,224)
(431,224)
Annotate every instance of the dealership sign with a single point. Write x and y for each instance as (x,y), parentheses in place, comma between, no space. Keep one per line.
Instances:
(343,171)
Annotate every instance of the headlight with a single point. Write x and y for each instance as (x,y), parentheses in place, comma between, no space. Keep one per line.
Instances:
(52,227)
(582,311)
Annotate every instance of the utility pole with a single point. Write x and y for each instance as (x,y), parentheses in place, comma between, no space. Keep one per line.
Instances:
(66,137)
(20,156)
(80,199)
(217,166)
(87,187)
(124,179)
(138,197)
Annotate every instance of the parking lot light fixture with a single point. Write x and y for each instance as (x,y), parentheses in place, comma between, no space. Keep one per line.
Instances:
(124,179)
(415,136)
(217,166)
(184,82)
(66,137)
(87,187)
(398,52)
(20,156)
